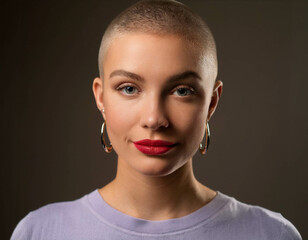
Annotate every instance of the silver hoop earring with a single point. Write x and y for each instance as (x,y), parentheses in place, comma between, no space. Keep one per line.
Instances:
(107,149)
(203,148)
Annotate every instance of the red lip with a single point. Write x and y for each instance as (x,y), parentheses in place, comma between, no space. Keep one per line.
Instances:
(153,147)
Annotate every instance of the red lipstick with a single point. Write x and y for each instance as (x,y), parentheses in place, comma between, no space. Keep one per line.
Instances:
(153,147)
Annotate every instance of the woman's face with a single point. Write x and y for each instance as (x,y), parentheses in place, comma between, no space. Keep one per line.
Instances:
(154,88)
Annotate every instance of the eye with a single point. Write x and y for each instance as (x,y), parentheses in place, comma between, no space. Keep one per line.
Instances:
(183,91)
(127,90)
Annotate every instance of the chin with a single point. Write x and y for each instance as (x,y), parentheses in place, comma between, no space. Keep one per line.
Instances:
(156,167)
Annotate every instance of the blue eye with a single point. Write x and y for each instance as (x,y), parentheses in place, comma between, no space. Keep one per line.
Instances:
(182,92)
(129,90)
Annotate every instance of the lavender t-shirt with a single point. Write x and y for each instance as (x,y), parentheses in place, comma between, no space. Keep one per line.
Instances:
(90,217)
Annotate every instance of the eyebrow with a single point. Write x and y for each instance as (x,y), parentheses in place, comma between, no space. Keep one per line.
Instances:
(176,77)
(126,74)
(184,75)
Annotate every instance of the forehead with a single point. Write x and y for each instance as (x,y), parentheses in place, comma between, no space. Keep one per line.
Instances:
(152,53)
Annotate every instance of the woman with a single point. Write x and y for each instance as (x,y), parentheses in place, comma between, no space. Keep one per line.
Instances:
(157,91)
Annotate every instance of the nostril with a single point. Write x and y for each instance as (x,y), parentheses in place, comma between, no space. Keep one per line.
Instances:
(166,124)
(155,123)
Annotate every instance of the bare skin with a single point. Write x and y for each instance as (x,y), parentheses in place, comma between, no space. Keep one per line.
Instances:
(155,187)
(151,198)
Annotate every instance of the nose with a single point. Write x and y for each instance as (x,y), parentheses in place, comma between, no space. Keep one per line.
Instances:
(153,115)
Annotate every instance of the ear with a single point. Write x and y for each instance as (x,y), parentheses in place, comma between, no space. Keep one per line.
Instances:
(97,88)
(217,91)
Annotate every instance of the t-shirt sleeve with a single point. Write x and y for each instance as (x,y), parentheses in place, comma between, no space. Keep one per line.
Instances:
(23,229)
(289,232)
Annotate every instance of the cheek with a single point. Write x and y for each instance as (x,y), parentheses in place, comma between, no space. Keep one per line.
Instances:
(119,118)
(190,121)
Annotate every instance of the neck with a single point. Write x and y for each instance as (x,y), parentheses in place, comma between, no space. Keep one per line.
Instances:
(156,198)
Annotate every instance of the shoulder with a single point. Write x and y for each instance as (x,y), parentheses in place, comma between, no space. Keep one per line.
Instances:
(265,223)
(49,219)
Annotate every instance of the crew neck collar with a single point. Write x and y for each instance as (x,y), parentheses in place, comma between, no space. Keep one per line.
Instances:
(120,220)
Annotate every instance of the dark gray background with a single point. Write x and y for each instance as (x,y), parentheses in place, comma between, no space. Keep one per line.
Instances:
(50,147)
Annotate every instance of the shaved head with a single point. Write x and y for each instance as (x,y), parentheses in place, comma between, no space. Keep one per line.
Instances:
(163,17)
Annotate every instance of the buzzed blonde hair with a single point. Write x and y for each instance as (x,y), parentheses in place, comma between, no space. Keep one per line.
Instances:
(163,17)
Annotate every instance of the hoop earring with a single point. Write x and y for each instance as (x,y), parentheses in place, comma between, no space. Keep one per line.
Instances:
(107,149)
(203,148)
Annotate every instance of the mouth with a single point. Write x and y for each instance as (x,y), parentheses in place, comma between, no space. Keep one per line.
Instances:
(154,147)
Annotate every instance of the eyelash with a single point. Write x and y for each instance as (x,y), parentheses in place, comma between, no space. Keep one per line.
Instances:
(191,91)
